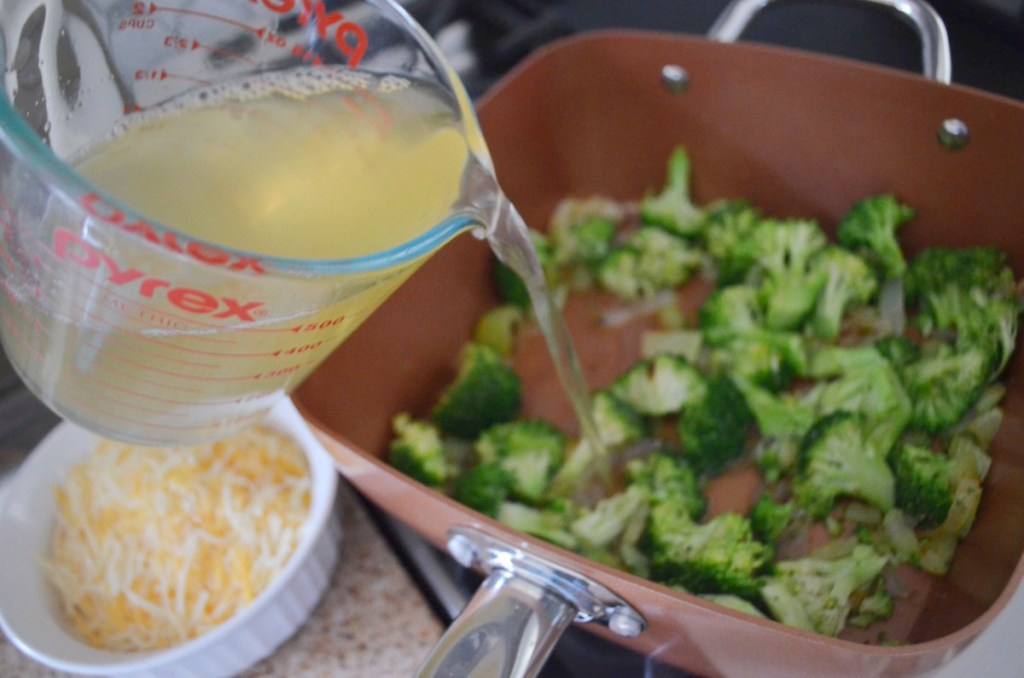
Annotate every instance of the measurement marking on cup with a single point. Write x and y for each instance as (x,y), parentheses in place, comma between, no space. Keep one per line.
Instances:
(136,377)
(104,346)
(134,404)
(143,8)
(191,45)
(143,75)
(207,378)
(347,36)
(157,341)
(146,396)
(148,367)
(87,311)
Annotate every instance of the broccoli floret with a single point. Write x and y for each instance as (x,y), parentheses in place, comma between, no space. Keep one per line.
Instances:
(969,290)
(898,350)
(776,456)
(511,288)
(550,523)
(713,430)
(869,229)
(875,606)
(664,478)
(659,385)
(485,392)
(617,423)
(938,273)
(729,312)
(418,451)
(770,518)
(651,260)
(848,281)
(837,461)
(497,327)
(619,274)
(598,528)
(924,483)
(485,487)
(947,491)
(719,556)
(584,242)
(817,594)
(867,384)
(673,209)
(835,360)
(991,326)
(728,227)
(531,450)
(767,358)
(666,261)
(732,320)
(777,414)
(943,385)
(790,286)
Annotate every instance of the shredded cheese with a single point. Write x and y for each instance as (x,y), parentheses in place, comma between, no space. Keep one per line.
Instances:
(156,546)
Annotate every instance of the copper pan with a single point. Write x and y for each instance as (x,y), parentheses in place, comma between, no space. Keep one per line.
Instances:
(797,134)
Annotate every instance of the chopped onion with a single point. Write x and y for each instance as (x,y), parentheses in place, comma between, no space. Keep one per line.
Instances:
(890,305)
(621,315)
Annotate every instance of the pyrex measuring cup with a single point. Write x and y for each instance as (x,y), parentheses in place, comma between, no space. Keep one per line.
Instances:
(167,277)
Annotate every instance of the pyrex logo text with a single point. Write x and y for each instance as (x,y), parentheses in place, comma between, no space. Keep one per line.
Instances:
(96,207)
(349,37)
(69,246)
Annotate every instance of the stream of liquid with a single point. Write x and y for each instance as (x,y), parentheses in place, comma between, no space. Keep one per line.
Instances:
(509,238)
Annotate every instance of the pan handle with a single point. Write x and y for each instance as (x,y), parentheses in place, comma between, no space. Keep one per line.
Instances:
(936,61)
(510,626)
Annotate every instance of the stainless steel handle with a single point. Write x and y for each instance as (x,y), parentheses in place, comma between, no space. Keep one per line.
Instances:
(510,626)
(935,55)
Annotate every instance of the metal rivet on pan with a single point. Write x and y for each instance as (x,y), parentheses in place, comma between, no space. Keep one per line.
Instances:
(675,78)
(463,550)
(953,134)
(624,622)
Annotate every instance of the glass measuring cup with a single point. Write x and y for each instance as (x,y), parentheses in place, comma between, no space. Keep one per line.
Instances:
(171,284)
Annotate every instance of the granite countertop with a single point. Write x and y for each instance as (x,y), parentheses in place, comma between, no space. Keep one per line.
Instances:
(372,621)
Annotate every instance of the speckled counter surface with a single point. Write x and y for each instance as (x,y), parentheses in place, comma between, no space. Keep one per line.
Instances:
(372,621)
